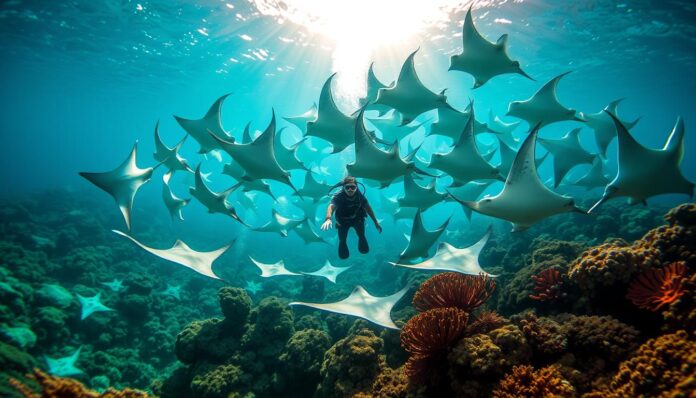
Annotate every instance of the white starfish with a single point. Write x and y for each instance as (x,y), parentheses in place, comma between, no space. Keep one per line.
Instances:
(91,305)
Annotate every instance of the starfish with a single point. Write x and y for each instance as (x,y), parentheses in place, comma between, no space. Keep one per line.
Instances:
(482,58)
(300,121)
(174,203)
(421,239)
(91,305)
(253,287)
(115,285)
(173,291)
(64,366)
(331,124)
(214,202)
(180,253)
(603,126)
(450,258)
(274,269)
(122,182)
(645,172)
(170,156)
(567,153)
(543,107)
(203,130)
(362,304)
(328,271)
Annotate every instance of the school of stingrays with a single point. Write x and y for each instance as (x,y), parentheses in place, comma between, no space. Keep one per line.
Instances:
(387,116)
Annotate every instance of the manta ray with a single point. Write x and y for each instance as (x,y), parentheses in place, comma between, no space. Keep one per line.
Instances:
(305,231)
(645,172)
(543,107)
(373,87)
(331,124)
(417,196)
(464,163)
(567,153)
(451,122)
(450,258)
(362,304)
(122,183)
(374,163)
(203,130)
(278,224)
(603,125)
(481,58)
(328,271)
(64,366)
(524,200)
(313,188)
(180,253)
(391,127)
(508,155)
(174,203)
(504,131)
(594,178)
(258,157)
(409,96)
(275,269)
(421,240)
(470,191)
(300,121)
(308,206)
(234,170)
(287,156)
(170,156)
(214,202)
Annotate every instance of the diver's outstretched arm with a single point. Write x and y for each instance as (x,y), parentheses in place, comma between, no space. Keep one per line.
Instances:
(327,220)
(371,213)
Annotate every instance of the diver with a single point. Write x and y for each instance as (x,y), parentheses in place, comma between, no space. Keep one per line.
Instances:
(351,209)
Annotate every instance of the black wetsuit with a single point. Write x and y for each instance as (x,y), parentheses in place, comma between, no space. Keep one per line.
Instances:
(350,212)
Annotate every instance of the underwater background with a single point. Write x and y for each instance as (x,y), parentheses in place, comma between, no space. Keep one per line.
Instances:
(598,304)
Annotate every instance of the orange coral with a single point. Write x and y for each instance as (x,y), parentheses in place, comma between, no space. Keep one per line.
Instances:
(58,387)
(451,289)
(547,285)
(524,381)
(656,288)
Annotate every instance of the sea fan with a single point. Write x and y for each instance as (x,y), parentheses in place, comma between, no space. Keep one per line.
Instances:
(656,288)
(451,289)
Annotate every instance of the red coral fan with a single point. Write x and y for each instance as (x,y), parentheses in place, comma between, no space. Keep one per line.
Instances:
(547,285)
(524,381)
(451,289)
(656,288)
(58,387)
(485,322)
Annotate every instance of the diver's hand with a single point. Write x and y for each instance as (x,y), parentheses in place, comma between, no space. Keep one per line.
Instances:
(379,227)
(326,225)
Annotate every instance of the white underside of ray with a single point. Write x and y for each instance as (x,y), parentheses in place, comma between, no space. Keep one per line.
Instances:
(169,156)
(543,107)
(275,269)
(122,183)
(300,121)
(418,196)
(567,153)
(483,59)
(305,231)
(362,304)
(328,271)
(524,200)
(203,129)
(181,253)
(331,124)
(421,240)
(174,203)
(409,96)
(450,258)
(278,224)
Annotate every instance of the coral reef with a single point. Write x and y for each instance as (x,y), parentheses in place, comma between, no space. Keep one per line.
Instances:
(58,387)
(546,336)
(601,336)
(655,288)
(450,289)
(547,285)
(524,381)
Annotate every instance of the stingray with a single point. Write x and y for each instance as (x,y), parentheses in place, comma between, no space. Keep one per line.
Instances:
(451,122)
(524,200)
(450,258)
(374,163)
(373,86)
(287,156)
(391,127)
(481,58)
(305,231)
(174,203)
(214,202)
(543,107)
(90,305)
(464,163)
(172,291)
(331,124)
(603,126)
(328,271)
(362,304)
(278,224)
(645,172)
(170,156)
(313,188)
(203,130)
(419,196)
(469,191)
(122,183)
(300,121)
(234,170)
(409,96)
(181,253)
(507,158)
(258,158)
(275,269)
(594,178)
(64,366)
(567,153)
(421,240)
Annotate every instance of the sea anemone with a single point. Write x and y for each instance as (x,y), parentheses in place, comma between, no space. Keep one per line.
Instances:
(485,322)
(547,285)
(451,289)
(656,288)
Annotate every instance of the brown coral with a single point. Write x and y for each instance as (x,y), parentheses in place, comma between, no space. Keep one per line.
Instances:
(547,285)
(545,336)
(524,381)
(485,322)
(655,288)
(451,289)
(600,336)
(58,387)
